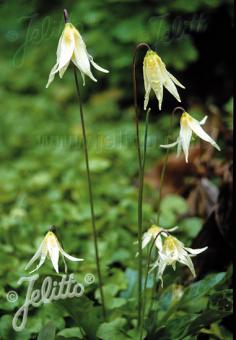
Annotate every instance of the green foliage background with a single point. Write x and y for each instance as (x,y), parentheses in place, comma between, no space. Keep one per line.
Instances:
(42,173)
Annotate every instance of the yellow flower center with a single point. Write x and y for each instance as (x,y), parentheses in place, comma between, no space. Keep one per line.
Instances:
(51,238)
(185,118)
(151,60)
(154,230)
(68,31)
(169,244)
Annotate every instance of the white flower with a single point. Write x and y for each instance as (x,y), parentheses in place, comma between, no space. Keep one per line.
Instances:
(52,248)
(156,77)
(174,251)
(71,47)
(188,124)
(152,234)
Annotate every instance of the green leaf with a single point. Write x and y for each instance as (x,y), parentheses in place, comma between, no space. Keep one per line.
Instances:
(47,332)
(73,332)
(112,330)
(200,288)
(85,314)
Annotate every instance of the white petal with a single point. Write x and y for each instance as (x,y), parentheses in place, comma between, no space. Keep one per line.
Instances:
(35,257)
(154,265)
(195,251)
(65,47)
(42,260)
(161,269)
(63,70)
(51,75)
(203,121)
(146,239)
(80,57)
(71,258)
(158,242)
(172,229)
(171,145)
(185,138)
(54,255)
(175,80)
(179,147)
(147,95)
(99,68)
(158,89)
(188,262)
(196,127)
(170,86)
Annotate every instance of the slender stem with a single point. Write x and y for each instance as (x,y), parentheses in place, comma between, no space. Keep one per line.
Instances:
(163,173)
(140,216)
(146,279)
(141,174)
(90,193)
(66,16)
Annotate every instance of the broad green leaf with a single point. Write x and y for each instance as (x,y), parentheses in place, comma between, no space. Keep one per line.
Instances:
(47,332)
(73,332)
(112,330)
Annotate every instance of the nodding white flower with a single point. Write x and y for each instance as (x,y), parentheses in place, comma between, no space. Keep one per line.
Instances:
(156,77)
(52,248)
(188,124)
(152,234)
(174,251)
(71,47)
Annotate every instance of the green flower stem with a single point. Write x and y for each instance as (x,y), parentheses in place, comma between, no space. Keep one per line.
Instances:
(140,216)
(141,174)
(90,193)
(145,282)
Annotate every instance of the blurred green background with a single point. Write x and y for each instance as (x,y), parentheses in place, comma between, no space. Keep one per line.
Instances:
(42,172)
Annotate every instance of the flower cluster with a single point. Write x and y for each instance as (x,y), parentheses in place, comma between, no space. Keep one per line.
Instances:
(156,77)
(170,250)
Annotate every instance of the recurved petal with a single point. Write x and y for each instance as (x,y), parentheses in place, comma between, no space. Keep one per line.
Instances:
(161,269)
(170,86)
(195,251)
(171,145)
(35,257)
(52,75)
(42,260)
(203,121)
(172,229)
(154,265)
(175,80)
(95,65)
(198,130)
(69,257)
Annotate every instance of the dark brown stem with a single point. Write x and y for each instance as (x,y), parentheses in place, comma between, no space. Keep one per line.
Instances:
(66,16)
